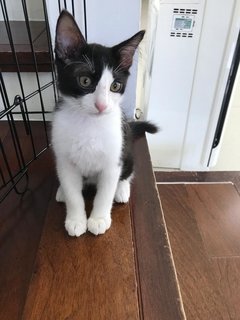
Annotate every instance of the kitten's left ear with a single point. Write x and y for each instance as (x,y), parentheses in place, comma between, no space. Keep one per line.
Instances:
(127,48)
(69,39)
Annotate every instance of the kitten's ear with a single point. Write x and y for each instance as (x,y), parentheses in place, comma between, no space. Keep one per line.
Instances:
(69,38)
(127,48)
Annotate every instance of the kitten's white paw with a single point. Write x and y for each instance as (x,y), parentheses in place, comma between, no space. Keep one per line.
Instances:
(99,225)
(76,227)
(123,192)
(59,195)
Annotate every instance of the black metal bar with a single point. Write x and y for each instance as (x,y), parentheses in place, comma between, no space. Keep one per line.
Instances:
(227,93)
(16,140)
(2,176)
(6,161)
(32,112)
(14,176)
(85,18)
(227,96)
(53,71)
(59,6)
(23,172)
(10,120)
(18,101)
(3,183)
(35,64)
(13,187)
(8,28)
(73,9)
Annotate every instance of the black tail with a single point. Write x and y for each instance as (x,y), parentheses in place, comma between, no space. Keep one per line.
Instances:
(139,128)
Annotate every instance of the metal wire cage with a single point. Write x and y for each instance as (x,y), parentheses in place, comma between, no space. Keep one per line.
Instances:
(27,92)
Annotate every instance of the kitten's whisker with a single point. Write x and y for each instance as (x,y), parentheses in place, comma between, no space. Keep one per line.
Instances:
(89,63)
(119,67)
(116,69)
(92,61)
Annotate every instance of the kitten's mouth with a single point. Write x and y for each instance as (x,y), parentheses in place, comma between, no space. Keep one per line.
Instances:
(99,114)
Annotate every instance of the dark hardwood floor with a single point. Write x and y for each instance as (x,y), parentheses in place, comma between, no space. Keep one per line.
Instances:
(203,224)
(174,260)
(21,222)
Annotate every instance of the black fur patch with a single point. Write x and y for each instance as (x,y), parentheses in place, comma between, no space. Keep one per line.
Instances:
(75,58)
(133,130)
(89,61)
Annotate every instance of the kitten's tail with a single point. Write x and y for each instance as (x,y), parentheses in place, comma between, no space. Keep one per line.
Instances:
(139,128)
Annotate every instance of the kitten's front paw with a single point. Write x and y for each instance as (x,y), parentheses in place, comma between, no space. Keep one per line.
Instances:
(99,225)
(59,195)
(123,192)
(76,227)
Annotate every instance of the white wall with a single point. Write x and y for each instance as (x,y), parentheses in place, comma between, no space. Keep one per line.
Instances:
(15,10)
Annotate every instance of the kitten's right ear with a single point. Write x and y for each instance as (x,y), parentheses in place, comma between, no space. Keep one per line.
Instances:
(69,39)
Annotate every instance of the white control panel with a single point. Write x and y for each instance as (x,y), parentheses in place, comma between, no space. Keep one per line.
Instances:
(182,22)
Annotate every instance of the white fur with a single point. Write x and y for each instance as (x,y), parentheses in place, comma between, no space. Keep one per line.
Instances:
(88,143)
(123,190)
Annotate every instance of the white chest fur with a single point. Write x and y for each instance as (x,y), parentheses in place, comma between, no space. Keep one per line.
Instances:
(84,135)
(91,142)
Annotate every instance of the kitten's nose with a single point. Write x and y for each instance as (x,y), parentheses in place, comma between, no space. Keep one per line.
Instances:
(100,106)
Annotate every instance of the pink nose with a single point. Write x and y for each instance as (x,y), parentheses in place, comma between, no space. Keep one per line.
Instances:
(100,106)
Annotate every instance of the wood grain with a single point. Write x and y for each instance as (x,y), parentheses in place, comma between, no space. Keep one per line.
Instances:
(21,222)
(216,209)
(84,278)
(196,218)
(158,291)
(227,274)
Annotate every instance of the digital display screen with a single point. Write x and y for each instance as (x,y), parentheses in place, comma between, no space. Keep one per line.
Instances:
(183,23)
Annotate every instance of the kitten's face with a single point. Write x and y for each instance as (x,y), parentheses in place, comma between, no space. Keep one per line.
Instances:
(93,74)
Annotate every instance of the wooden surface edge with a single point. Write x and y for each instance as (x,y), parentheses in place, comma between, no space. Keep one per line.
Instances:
(159,294)
(203,176)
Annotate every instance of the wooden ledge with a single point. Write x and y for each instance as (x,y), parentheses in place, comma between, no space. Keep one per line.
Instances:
(127,273)
(193,176)
(23,48)
(158,286)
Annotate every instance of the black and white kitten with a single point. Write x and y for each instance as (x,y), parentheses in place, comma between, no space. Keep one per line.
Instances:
(90,138)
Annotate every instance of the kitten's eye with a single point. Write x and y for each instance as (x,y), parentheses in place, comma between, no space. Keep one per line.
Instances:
(85,81)
(116,86)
